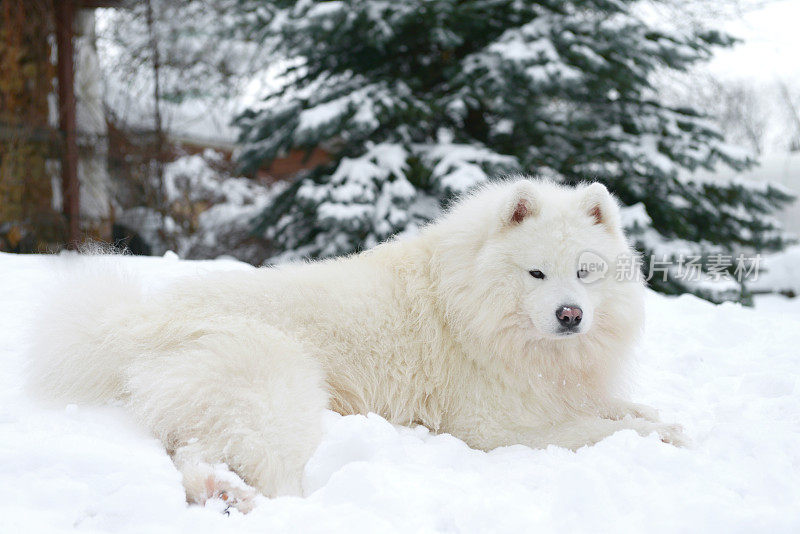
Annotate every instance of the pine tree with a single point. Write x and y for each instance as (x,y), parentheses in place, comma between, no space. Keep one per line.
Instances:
(418,101)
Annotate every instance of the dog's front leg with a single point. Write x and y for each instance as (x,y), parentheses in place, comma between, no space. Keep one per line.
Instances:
(587,430)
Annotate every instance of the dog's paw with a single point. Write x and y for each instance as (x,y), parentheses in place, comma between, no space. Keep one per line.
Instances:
(644,412)
(623,409)
(225,493)
(672,434)
(217,487)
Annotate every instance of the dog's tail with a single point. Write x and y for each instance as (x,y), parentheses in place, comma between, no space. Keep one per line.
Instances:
(84,333)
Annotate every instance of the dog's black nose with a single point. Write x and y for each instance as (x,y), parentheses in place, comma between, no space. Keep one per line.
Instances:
(569,316)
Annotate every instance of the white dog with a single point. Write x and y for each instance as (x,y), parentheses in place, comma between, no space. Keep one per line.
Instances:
(487,326)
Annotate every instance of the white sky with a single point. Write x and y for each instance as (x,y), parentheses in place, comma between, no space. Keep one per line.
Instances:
(771,47)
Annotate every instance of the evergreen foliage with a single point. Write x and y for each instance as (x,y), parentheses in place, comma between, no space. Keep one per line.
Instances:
(418,101)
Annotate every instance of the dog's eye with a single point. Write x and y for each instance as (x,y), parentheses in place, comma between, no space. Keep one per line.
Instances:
(583,273)
(537,274)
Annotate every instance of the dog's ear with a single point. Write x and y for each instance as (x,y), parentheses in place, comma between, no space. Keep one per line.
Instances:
(520,205)
(597,203)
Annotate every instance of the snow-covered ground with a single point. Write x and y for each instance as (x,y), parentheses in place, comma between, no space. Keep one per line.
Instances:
(730,375)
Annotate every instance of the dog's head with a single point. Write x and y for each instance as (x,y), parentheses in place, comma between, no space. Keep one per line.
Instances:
(537,259)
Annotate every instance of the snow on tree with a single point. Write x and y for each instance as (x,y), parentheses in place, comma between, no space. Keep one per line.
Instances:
(418,101)
(208,214)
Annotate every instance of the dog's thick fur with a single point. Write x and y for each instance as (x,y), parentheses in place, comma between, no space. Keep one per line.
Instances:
(447,329)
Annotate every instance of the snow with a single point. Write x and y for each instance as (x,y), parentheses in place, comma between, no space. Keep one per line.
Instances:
(458,167)
(779,272)
(313,118)
(728,374)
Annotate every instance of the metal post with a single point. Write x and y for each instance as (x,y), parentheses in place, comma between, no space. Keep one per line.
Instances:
(65,17)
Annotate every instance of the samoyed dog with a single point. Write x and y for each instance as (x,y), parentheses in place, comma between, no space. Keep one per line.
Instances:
(486,326)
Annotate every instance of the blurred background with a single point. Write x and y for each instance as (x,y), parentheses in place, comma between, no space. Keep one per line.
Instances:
(273,131)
